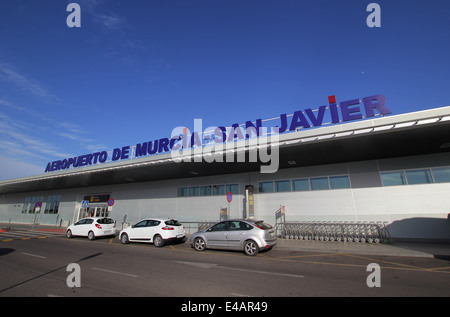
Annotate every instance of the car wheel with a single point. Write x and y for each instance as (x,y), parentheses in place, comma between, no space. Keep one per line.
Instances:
(91,235)
(158,241)
(124,238)
(251,248)
(69,234)
(199,244)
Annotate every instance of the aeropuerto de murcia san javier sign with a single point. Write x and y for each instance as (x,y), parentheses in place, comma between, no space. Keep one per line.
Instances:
(345,111)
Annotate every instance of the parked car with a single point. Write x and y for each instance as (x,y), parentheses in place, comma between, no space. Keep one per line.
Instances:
(92,227)
(249,236)
(156,231)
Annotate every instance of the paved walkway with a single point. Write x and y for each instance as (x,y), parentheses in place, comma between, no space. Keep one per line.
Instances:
(410,249)
(427,250)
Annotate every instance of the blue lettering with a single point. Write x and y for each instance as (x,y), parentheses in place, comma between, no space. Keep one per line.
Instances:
(319,120)
(81,160)
(141,149)
(89,159)
(347,111)
(154,149)
(95,155)
(116,154)
(103,157)
(334,113)
(163,145)
(70,162)
(283,119)
(49,167)
(235,131)
(125,153)
(220,135)
(173,146)
(379,105)
(250,127)
(299,120)
(195,140)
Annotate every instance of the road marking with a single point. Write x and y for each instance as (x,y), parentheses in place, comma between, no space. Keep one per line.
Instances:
(388,262)
(34,255)
(114,272)
(212,265)
(307,256)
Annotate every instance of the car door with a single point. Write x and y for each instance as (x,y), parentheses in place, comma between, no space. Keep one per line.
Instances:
(152,229)
(237,234)
(137,232)
(216,236)
(83,229)
(77,227)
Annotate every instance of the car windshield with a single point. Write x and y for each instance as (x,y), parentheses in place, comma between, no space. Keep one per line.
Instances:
(263,225)
(172,222)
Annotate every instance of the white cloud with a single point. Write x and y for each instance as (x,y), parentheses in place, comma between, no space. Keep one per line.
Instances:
(110,21)
(25,83)
(10,169)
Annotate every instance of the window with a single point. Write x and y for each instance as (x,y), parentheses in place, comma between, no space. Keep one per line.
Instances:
(393,178)
(319,183)
(183,192)
(173,222)
(205,191)
(266,187)
(263,225)
(300,184)
(25,205)
(233,188)
(105,221)
(221,226)
(52,205)
(34,200)
(218,190)
(238,226)
(441,175)
(194,191)
(283,186)
(338,182)
(141,224)
(419,177)
(153,223)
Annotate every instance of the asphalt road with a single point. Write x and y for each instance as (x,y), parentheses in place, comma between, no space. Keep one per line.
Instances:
(38,267)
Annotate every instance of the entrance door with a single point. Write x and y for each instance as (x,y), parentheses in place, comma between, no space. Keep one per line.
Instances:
(95,211)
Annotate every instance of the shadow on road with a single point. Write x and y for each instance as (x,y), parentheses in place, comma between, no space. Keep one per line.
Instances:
(47,273)
(5,251)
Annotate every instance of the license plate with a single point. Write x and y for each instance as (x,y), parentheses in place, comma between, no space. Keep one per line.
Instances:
(180,235)
(107,231)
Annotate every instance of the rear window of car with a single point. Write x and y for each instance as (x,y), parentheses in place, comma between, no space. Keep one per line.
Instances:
(105,221)
(263,225)
(172,222)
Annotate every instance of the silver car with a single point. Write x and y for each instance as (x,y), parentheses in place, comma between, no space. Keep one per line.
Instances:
(249,236)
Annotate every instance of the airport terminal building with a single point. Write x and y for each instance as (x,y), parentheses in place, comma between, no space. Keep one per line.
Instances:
(365,164)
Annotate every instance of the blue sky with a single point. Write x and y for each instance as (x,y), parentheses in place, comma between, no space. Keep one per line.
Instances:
(137,69)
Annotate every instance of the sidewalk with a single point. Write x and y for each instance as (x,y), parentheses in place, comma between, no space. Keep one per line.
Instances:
(407,249)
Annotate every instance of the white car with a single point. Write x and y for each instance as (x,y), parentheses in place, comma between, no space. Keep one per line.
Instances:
(92,227)
(156,231)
